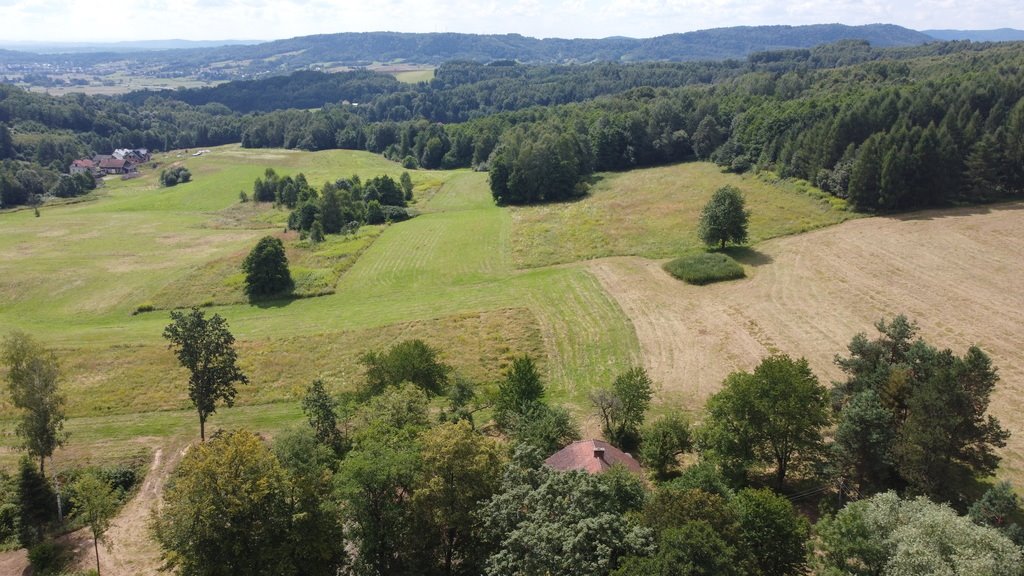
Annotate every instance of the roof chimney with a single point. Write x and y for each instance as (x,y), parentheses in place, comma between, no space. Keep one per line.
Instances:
(598,452)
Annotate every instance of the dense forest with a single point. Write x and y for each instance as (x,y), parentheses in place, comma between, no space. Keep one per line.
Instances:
(889,129)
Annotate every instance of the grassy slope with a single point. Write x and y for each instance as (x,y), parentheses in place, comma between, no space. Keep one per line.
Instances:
(466,276)
(446,276)
(654,213)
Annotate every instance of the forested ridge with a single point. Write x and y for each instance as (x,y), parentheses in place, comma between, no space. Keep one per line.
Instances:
(890,129)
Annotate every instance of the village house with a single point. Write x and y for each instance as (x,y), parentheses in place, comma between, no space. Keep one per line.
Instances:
(592,456)
(116,166)
(122,161)
(82,166)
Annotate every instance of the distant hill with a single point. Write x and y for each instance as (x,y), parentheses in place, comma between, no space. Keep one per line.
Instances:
(358,49)
(999,35)
(715,44)
(117,47)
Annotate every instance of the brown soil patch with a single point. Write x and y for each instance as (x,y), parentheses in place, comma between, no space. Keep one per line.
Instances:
(957,272)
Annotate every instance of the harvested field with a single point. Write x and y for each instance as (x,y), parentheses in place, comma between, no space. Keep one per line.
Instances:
(957,272)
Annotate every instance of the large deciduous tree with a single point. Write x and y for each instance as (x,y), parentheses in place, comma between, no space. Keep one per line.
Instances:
(724,218)
(774,415)
(32,376)
(226,510)
(412,361)
(206,348)
(893,537)
(266,269)
(459,469)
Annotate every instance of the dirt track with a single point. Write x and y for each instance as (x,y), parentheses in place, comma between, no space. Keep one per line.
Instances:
(958,273)
(128,549)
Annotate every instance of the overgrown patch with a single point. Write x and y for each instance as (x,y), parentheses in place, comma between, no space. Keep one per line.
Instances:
(705,268)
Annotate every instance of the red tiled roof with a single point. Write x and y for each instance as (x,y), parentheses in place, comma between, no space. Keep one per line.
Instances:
(83,164)
(594,456)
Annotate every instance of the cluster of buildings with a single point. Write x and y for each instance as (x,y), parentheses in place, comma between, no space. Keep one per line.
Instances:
(122,161)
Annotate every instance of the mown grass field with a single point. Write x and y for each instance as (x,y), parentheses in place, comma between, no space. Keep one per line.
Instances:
(470,278)
(654,213)
(74,276)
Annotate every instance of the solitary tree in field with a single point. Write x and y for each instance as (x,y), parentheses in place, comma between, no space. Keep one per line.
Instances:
(96,503)
(724,218)
(32,373)
(207,349)
(266,269)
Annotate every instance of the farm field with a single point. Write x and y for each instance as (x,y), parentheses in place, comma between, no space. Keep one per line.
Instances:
(654,213)
(956,272)
(579,286)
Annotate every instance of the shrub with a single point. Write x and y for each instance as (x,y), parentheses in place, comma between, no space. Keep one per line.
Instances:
(46,558)
(144,307)
(705,268)
(175,176)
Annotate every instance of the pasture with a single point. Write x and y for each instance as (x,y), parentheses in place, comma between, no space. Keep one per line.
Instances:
(579,286)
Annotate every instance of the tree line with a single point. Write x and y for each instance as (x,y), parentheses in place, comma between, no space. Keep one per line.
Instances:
(889,129)
(420,471)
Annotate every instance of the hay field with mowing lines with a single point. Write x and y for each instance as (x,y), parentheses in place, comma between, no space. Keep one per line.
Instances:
(956,272)
(446,276)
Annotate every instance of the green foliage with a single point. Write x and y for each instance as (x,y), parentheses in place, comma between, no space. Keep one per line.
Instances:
(724,218)
(543,521)
(933,402)
(95,502)
(37,504)
(206,348)
(774,415)
(321,413)
(705,268)
(316,535)
(542,164)
(693,549)
(47,558)
(406,181)
(622,407)
(226,510)
(772,532)
(411,361)
(174,176)
(893,537)
(459,469)
(996,508)
(32,376)
(266,269)
(662,442)
(546,428)
(520,390)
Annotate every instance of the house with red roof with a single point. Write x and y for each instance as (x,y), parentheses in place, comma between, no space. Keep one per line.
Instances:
(593,456)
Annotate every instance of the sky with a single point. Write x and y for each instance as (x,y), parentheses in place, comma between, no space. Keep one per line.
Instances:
(113,20)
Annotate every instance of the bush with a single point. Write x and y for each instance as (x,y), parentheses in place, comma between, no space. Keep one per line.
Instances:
(705,268)
(46,558)
(175,176)
(144,307)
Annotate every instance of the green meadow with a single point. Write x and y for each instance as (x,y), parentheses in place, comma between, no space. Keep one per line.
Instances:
(482,283)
